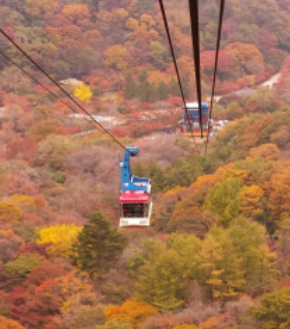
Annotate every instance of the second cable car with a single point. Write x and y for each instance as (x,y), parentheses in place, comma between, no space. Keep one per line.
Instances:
(135,194)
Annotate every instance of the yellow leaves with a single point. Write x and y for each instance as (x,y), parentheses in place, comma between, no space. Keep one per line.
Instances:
(22,201)
(10,212)
(231,173)
(61,236)
(132,24)
(227,127)
(250,200)
(83,92)
(175,191)
(154,34)
(133,312)
(147,21)
(115,57)
(266,151)
(121,13)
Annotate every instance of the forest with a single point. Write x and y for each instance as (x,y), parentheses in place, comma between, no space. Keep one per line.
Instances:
(217,255)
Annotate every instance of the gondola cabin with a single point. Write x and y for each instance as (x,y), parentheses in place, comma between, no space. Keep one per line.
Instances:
(193,119)
(135,194)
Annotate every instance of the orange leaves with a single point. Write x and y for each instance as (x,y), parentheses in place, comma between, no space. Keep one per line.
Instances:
(211,323)
(76,290)
(243,54)
(279,198)
(10,212)
(93,37)
(207,180)
(39,202)
(155,77)
(9,324)
(43,128)
(76,11)
(133,312)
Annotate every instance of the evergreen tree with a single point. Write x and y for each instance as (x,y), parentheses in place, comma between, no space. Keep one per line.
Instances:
(153,95)
(98,247)
(145,92)
(186,88)
(145,87)
(173,87)
(162,91)
(130,90)
(143,76)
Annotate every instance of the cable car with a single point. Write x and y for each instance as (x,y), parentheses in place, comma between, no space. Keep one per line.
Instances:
(193,114)
(135,194)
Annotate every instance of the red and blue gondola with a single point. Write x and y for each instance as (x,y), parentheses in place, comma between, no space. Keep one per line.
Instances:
(135,194)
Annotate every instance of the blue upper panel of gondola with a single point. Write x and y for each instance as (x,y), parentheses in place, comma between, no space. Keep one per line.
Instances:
(193,112)
(130,182)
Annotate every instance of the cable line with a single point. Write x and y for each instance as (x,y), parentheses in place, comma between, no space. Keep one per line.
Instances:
(44,87)
(193,10)
(61,88)
(175,63)
(222,6)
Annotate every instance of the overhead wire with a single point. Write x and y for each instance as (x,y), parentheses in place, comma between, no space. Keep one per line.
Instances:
(61,88)
(220,23)
(194,19)
(47,89)
(165,21)
(44,87)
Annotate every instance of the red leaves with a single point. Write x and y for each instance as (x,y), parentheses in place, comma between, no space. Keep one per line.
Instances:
(119,132)
(26,147)
(104,85)
(32,247)
(42,272)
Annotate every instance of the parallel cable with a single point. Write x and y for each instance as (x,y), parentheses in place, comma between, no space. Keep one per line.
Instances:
(222,6)
(61,88)
(193,10)
(44,87)
(175,64)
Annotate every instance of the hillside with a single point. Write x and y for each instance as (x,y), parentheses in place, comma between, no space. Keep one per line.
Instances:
(217,253)
(102,41)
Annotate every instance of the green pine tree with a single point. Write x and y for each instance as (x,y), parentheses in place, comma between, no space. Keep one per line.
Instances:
(145,92)
(130,90)
(162,91)
(185,87)
(98,247)
(174,88)
(143,76)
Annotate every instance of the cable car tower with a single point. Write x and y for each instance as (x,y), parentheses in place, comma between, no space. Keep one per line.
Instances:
(135,194)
